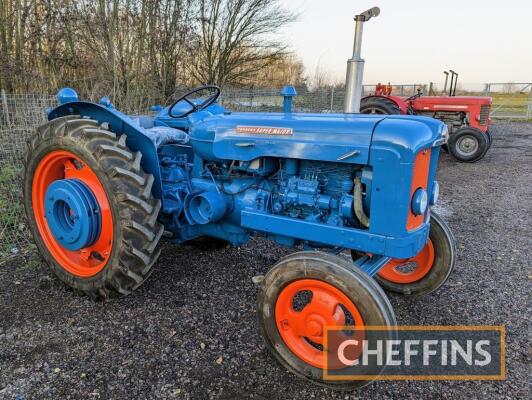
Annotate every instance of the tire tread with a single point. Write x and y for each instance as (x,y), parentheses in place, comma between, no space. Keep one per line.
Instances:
(138,247)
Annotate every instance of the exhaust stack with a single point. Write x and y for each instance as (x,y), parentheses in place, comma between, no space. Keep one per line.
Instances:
(355,65)
(452,91)
(445,84)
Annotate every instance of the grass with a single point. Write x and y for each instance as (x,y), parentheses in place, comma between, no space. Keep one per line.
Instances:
(513,103)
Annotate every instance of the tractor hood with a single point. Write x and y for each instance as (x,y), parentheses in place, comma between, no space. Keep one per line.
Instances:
(345,138)
(246,136)
(449,102)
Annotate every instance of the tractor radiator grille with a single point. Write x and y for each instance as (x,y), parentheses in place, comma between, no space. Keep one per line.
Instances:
(484,114)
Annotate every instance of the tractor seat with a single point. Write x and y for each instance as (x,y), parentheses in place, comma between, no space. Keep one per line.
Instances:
(164,134)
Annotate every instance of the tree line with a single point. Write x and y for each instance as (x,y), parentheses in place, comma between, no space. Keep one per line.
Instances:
(140,51)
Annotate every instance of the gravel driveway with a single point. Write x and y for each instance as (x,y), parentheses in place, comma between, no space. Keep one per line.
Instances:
(190,332)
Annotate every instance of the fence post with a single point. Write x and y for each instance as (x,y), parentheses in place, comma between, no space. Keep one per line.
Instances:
(332,99)
(4,106)
(529,111)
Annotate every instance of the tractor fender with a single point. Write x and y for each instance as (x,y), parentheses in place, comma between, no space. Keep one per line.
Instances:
(120,124)
(401,103)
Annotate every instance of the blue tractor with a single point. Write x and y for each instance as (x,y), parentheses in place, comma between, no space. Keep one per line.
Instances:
(103,188)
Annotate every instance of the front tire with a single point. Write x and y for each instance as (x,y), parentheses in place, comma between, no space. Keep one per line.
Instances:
(118,254)
(468,144)
(425,272)
(331,281)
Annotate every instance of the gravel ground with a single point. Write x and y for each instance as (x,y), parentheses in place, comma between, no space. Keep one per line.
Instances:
(190,332)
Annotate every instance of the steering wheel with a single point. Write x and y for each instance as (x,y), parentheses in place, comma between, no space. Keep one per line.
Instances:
(416,96)
(193,104)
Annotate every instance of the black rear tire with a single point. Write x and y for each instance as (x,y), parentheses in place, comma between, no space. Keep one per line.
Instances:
(136,231)
(468,144)
(378,105)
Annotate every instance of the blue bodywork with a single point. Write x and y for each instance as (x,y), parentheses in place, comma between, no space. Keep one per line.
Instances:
(297,178)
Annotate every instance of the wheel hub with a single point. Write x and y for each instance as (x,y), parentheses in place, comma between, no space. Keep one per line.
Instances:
(314,328)
(467,145)
(325,309)
(72,213)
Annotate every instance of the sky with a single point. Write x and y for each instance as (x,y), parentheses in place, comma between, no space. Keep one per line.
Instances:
(414,41)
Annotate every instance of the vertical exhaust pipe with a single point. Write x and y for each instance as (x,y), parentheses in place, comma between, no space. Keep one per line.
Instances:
(452,80)
(445,84)
(355,65)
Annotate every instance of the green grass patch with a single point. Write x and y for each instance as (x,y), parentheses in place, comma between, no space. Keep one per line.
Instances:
(511,103)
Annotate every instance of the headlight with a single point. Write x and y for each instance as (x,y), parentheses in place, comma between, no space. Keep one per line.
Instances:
(435,193)
(419,201)
(445,133)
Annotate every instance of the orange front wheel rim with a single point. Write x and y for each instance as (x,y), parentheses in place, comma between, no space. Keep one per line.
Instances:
(409,270)
(65,165)
(302,330)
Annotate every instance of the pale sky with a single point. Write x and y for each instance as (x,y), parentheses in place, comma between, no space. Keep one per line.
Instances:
(413,41)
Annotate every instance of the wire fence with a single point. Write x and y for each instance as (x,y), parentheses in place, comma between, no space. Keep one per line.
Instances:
(510,100)
(325,100)
(21,114)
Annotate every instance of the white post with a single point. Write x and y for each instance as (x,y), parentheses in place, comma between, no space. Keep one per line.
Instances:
(529,111)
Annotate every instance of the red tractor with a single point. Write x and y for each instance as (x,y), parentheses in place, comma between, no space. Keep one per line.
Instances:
(467,117)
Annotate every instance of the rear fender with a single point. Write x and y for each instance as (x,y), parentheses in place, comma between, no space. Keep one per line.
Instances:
(119,124)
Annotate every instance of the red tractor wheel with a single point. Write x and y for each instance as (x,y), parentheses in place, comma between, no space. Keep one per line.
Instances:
(425,272)
(308,290)
(468,144)
(90,208)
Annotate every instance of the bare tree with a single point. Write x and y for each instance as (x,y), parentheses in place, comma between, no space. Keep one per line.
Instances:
(286,70)
(137,46)
(236,39)
(323,78)
(138,51)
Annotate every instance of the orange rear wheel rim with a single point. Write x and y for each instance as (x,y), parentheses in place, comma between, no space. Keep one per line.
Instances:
(63,164)
(326,308)
(423,261)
